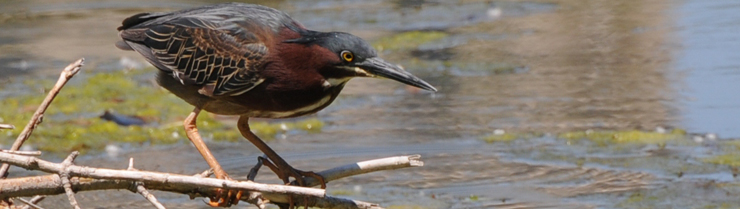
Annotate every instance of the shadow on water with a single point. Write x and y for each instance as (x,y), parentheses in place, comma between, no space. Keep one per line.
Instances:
(543,82)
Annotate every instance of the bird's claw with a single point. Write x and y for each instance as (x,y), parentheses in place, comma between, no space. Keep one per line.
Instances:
(225,198)
(286,171)
(303,174)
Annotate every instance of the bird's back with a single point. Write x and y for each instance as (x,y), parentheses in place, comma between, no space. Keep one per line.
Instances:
(220,48)
(238,13)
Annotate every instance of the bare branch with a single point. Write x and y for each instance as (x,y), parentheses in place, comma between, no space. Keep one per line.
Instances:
(153,178)
(205,174)
(149,196)
(67,73)
(141,190)
(131,164)
(24,153)
(7,126)
(191,185)
(389,163)
(64,176)
(70,193)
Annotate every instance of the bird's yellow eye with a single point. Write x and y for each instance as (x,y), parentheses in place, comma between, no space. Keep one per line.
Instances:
(348,56)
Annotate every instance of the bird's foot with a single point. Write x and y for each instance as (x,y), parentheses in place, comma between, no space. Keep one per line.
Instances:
(225,198)
(286,171)
(300,177)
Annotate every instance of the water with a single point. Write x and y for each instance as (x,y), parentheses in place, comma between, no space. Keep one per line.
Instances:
(537,69)
(710,64)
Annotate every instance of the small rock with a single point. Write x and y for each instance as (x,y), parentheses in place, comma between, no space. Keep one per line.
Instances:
(129,63)
(27,148)
(660,130)
(499,132)
(124,120)
(711,136)
(112,150)
(698,139)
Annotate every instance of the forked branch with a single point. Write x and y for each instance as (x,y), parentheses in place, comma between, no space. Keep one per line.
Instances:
(87,179)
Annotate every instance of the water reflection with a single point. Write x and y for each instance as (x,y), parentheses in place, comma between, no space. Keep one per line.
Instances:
(587,69)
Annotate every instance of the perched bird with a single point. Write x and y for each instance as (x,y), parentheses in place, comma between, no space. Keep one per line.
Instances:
(252,61)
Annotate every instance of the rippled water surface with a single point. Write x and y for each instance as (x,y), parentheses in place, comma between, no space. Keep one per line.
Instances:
(537,72)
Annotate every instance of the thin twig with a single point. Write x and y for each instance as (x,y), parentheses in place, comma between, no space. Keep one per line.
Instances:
(149,196)
(142,190)
(131,164)
(67,73)
(389,163)
(24,153)
(30,203)
(64,176)
(205,174)
(70,193)
(7,126)
(36,199)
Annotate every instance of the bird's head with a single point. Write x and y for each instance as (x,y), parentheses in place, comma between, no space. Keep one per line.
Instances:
(351,56)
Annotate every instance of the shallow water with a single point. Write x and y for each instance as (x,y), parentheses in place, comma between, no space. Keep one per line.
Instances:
(533,69)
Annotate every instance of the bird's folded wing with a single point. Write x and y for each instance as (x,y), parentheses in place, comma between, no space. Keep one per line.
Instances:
(222,56)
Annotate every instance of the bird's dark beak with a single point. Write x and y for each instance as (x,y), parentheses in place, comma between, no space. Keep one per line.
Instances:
(379,67)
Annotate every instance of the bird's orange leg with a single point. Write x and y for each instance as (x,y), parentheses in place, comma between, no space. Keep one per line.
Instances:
(283,170)
(191,130)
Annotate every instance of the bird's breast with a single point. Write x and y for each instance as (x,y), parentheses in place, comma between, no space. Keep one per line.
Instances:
(301,103)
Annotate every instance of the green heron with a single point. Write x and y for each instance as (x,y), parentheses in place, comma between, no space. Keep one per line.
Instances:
(252,61)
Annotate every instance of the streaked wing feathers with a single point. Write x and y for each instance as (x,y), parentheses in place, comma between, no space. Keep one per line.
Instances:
(223,59)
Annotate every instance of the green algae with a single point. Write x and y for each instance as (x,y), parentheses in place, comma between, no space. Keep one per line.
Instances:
(734,144)
(730,159)
(473,197)
(625,137)
(638,200)
(408,40)
(503,137)
(729,154)
(72,123)
(342,192)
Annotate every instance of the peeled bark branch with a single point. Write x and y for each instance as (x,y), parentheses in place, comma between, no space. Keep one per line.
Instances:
(87,179)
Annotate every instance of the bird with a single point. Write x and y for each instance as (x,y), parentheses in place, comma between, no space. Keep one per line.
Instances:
(251,61)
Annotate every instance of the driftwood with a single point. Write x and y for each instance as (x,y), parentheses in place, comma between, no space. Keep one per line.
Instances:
(68,178)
